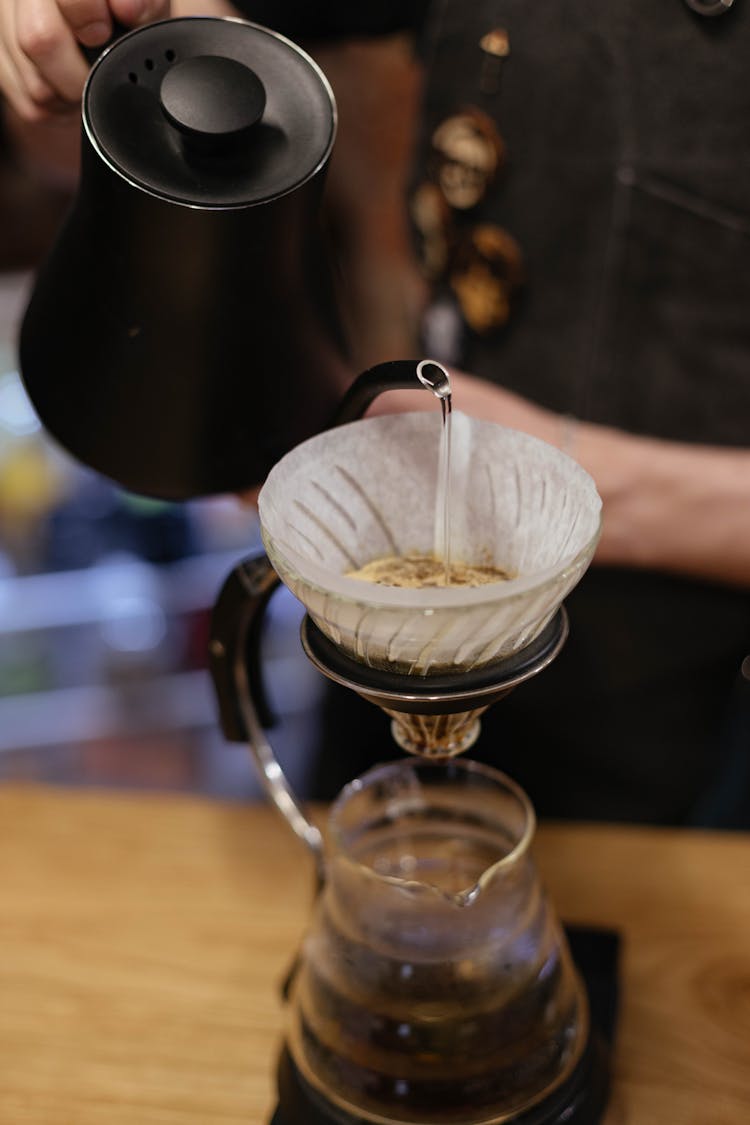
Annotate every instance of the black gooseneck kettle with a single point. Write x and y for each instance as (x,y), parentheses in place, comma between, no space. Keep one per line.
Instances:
(182,334)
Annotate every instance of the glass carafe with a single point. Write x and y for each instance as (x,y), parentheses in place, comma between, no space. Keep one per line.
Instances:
(435,984)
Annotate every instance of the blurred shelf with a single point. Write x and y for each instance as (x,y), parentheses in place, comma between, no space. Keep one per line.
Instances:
(80,714)
(92,595)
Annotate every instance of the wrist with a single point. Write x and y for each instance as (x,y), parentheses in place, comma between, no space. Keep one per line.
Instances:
(617,462)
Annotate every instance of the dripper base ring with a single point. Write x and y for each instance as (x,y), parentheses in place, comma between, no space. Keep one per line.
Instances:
(442,694)
(435,716)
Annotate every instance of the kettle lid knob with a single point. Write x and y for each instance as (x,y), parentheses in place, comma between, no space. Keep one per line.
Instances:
(212,99)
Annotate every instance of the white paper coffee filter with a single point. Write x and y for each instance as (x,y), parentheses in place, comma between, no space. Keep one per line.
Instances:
(368,489)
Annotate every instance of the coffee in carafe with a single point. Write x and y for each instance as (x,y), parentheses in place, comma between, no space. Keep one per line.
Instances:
(434,986)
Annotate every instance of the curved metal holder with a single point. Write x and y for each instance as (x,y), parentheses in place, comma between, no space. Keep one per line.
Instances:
(441,694)
(434,716)
(235,667)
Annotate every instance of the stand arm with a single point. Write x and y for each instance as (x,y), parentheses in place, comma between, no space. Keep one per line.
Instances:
(235,667)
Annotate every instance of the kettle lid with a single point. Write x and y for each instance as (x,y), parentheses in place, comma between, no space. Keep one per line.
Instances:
(210,112)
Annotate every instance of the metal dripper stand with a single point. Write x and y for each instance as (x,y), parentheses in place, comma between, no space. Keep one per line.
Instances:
(469,1011)
(436,716)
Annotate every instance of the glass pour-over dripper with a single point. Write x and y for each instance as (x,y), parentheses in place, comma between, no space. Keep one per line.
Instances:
(367,490)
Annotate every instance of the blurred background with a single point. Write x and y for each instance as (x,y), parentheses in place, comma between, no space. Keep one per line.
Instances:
(105,600)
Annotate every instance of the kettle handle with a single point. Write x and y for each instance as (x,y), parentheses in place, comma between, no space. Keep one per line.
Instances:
(234,644)
(235,667)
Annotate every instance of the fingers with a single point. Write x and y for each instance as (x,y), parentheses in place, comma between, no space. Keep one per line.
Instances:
(133,13)
(48,54)
(42,68)
(26,90)
(89,20)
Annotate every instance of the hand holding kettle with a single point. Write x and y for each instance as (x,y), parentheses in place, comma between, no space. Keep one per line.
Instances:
(43,66)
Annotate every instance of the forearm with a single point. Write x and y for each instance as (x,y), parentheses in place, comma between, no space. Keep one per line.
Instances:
(667,506)
(671,506)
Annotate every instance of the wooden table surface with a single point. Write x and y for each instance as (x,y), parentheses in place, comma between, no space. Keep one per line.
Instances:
(143,938)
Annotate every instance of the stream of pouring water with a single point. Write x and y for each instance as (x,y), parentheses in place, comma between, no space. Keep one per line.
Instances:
(435,377)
